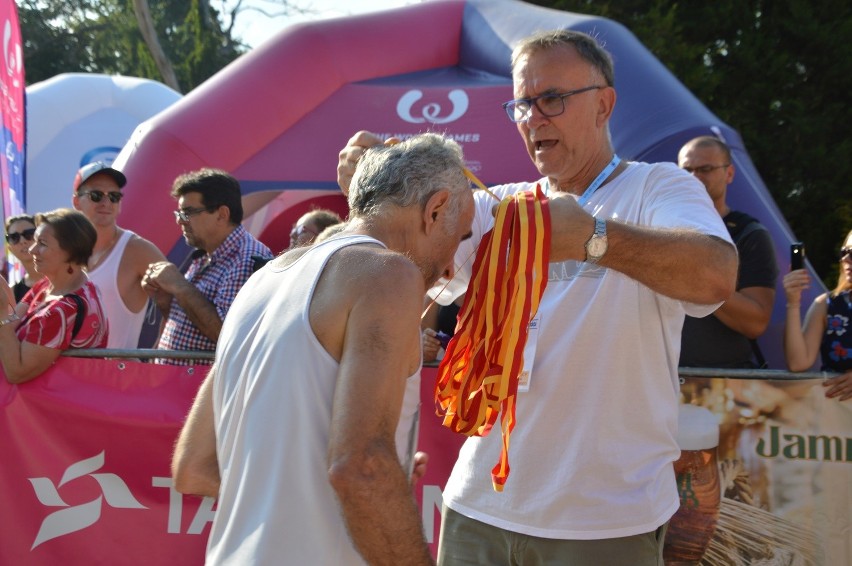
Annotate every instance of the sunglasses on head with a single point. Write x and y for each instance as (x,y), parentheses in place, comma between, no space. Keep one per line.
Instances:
(97,196)
(15,237)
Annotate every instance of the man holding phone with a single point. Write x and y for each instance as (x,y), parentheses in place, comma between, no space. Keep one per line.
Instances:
(727,339)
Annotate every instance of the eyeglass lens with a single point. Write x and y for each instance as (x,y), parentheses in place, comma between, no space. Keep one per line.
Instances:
(704,168)
(550,104)
(97,196)
(15,237)
(185,214)
(845,252)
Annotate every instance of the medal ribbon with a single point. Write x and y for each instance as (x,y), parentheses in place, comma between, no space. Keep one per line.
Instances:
(478,377)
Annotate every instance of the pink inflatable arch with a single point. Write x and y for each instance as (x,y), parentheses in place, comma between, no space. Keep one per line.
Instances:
(277,117)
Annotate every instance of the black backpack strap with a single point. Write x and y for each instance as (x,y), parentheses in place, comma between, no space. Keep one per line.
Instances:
(739,224)
(81,313)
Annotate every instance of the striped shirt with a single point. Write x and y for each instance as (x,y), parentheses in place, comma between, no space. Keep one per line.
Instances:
(218,276)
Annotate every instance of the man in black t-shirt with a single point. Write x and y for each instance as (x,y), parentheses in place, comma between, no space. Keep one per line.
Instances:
(726,339)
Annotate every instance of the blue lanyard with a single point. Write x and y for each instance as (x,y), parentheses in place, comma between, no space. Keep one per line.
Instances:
(587,194)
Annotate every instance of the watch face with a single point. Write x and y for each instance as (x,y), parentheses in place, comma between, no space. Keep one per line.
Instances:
(596,247)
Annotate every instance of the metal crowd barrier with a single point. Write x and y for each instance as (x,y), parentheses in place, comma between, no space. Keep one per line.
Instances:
(151,353)
(767,374)
(139,354)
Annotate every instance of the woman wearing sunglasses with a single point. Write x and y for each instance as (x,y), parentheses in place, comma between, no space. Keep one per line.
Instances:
(20,231)
(827,328)
(63,309)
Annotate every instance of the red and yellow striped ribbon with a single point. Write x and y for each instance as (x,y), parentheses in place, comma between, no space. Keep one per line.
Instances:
(478,377)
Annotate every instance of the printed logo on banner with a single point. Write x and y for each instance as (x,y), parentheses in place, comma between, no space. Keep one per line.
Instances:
(432,111)
(73,519)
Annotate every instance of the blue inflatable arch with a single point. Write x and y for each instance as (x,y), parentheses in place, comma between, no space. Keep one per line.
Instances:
(277,117)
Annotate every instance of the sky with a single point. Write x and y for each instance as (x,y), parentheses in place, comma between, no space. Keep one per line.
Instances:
(254,28)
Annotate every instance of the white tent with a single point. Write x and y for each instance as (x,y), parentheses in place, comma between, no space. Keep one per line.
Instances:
(76,118)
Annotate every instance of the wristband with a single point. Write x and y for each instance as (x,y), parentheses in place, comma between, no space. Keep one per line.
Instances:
(11,318)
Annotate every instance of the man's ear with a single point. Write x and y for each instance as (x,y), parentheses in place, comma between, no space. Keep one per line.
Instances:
(606,104)
(435,206)
(224,213)
(75,201)
(729,174)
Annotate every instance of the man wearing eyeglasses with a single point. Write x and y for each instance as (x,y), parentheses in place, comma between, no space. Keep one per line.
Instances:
(634,247)
(727,339)
(210,213)
(120,257)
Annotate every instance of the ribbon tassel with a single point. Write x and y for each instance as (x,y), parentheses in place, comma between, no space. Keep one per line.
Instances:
(478,377)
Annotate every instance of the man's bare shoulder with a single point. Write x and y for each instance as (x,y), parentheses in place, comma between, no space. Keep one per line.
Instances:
(376,266)
(140,253)
(370,272)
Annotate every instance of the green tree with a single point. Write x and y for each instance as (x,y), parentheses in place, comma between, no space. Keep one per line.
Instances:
(103,36)
(776,72)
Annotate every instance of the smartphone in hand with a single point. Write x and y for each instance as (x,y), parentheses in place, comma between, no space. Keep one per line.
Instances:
(797,256)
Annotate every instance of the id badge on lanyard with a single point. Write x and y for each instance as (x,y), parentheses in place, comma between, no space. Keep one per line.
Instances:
(529,355)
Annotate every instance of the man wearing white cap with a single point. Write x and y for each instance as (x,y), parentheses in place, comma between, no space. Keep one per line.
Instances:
(120,257)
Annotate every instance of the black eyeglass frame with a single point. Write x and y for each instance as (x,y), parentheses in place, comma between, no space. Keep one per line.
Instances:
(14,237)
(184,214)
(511,107)
(704,169)
(97,196)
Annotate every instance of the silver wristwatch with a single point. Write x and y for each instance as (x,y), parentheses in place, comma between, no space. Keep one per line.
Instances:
(597,245)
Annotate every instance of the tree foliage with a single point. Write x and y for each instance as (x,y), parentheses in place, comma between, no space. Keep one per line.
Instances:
(776,71)
(103,36)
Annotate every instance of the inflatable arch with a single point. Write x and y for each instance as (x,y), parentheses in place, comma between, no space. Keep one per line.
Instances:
(77,118)
(277,117)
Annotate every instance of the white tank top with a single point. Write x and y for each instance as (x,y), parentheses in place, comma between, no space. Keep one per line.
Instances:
(124,324)
(272,400)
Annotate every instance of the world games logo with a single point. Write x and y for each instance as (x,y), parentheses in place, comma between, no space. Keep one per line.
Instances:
(433,112)
(70,519)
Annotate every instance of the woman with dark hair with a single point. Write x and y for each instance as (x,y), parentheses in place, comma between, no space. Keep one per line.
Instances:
(20,231)
(63,309)
(827,328)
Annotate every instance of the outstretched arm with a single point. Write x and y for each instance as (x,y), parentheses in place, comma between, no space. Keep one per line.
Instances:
(670,261)
(351,153)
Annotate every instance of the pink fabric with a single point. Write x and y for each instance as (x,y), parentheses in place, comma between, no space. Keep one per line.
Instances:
(84,474)
(52,323)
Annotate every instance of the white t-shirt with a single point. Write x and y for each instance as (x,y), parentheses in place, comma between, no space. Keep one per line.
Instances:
(592,450)
(272,399)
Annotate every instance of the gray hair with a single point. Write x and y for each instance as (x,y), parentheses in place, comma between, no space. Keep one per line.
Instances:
(406,174)
(587,47)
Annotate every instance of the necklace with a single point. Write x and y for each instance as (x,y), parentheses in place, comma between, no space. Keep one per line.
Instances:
(96,258)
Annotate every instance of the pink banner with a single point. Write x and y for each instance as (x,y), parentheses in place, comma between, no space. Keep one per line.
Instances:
(12,111)
(85,474)
(86,451)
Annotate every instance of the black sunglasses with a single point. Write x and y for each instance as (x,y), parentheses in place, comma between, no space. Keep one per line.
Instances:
(844,252)
(97,196)
(15,237)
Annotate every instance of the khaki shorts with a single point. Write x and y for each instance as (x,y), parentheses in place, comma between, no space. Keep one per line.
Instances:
(468,542)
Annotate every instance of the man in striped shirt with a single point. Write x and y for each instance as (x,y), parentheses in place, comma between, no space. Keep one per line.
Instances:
(194,304)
